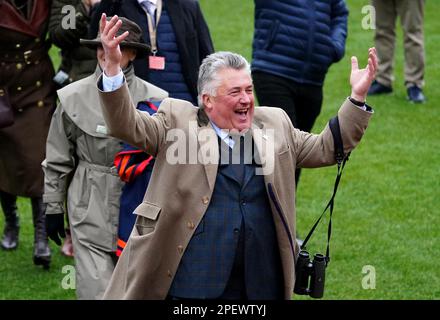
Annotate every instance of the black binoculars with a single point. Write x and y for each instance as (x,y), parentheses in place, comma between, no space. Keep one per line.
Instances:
(310,275)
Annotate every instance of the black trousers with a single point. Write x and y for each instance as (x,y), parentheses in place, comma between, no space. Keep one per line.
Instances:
(302,102)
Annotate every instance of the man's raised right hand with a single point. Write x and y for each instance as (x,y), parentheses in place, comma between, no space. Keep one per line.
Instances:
(110,44)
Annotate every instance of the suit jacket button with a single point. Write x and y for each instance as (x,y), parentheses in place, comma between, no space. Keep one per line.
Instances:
(205,200)
(40,103)
(180,249)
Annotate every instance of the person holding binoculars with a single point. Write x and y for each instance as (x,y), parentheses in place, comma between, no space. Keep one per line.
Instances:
(214,229)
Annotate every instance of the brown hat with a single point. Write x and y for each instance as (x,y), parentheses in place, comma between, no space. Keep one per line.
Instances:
(133,40)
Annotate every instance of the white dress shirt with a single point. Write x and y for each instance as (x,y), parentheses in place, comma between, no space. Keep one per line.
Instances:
(224,135)
(112,83)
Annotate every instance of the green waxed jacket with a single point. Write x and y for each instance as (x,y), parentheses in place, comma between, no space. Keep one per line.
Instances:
(65,31)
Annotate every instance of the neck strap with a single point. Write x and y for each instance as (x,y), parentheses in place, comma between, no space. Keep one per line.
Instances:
(341,159)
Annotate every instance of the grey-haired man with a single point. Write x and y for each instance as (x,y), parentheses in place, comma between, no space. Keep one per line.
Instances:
(210,229)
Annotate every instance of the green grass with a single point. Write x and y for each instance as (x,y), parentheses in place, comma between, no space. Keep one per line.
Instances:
(20,279)
(386,212)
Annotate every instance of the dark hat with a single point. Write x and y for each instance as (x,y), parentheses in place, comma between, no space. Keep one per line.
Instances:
(133,40)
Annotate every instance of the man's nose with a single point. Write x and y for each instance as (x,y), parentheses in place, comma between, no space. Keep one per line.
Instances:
(245,97)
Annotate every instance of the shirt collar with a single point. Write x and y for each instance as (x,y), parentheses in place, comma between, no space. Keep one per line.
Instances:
(141,2)
(224,135)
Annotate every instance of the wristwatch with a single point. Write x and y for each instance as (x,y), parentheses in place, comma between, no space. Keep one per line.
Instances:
(355,102)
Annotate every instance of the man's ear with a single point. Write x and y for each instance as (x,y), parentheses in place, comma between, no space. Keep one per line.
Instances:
(133,54)
(207,101)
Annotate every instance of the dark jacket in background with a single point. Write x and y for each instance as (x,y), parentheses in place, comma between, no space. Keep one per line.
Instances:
(77,61)
(26,73)
(192,33)
(298,39)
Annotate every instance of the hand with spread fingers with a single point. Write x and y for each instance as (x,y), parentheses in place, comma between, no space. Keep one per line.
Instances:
(361,79)
(110,44)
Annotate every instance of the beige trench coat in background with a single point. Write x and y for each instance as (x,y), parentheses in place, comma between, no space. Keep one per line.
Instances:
(79,167)
(179,195)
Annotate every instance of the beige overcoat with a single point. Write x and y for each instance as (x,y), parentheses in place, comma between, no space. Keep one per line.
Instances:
(179,194)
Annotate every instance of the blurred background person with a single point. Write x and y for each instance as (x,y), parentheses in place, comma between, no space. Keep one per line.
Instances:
(26,74)
(77,61)
(178,36)
(411,13)
(295,42)
(134,167)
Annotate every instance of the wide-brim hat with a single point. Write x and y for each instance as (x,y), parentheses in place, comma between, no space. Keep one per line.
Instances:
(133,40)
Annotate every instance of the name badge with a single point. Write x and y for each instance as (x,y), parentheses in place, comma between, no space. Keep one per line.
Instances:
(101,129)
(156,62)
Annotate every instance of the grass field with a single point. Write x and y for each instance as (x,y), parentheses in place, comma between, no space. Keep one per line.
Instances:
(386,213)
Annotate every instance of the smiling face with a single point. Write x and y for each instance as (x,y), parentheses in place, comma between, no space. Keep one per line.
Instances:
(233,105)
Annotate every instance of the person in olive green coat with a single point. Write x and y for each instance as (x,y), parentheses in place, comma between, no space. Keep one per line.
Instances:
(77,62)
(79,166)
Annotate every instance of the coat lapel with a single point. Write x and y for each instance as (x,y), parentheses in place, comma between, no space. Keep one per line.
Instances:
(12,20)
(265,144)
(208,153)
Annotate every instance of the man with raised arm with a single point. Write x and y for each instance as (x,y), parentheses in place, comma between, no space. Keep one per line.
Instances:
(218,218)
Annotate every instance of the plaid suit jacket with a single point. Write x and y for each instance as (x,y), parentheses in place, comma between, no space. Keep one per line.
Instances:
(239,204)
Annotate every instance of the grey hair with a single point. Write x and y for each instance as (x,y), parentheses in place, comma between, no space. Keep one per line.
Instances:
(208,81)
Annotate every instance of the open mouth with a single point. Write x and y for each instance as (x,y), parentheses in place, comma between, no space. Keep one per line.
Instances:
(242,113)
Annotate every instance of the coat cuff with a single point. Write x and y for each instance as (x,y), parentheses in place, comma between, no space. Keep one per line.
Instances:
(55,208)
(53,197)
(355,112)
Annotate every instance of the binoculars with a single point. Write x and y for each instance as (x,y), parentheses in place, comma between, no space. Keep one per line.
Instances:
(310,275)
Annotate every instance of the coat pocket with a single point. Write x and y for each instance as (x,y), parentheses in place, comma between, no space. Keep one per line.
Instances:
(147,216)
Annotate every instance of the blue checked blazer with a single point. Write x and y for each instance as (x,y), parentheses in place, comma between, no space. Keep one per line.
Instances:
(206,265)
